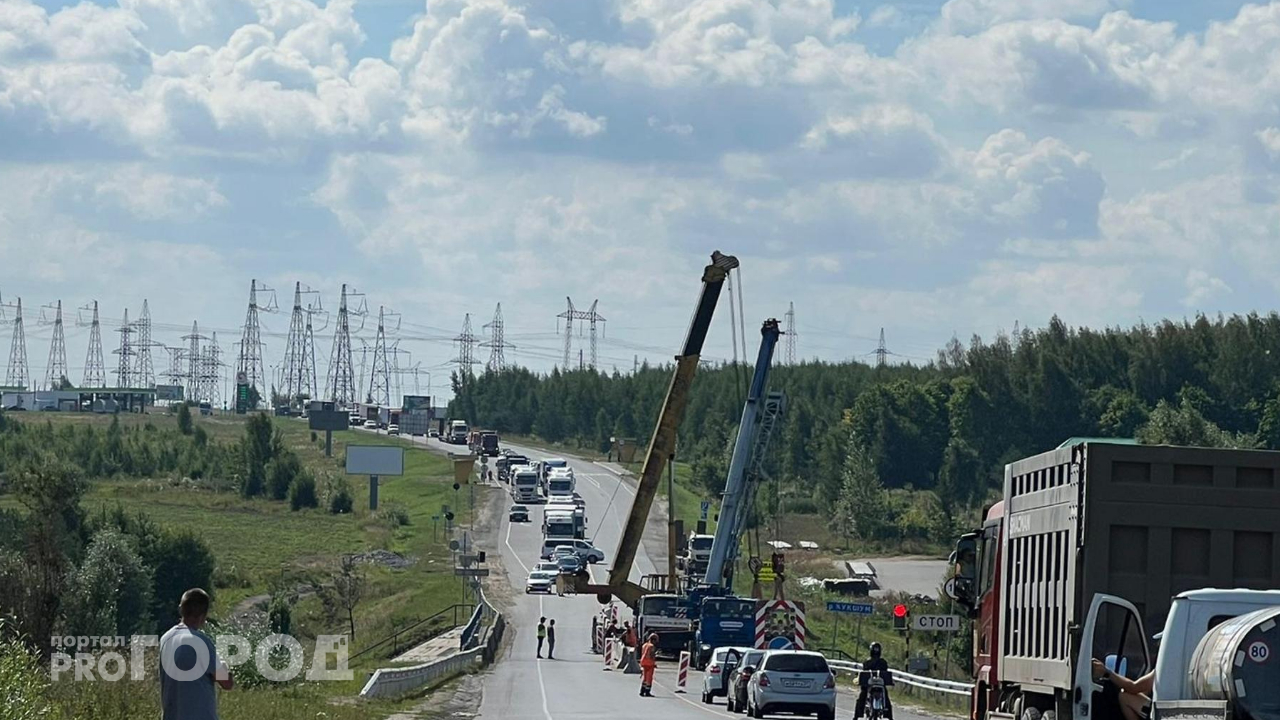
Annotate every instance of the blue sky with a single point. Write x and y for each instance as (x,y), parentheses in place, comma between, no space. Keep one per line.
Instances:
(933,168)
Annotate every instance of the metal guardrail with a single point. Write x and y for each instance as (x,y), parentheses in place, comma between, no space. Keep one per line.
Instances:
(394,637)
(952,687)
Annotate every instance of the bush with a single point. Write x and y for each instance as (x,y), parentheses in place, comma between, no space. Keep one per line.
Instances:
(281,474)
(185,424)
(393,515)
(182,561)
(340,500)
(303,492)
(25,683)
(280,615)
(110,593)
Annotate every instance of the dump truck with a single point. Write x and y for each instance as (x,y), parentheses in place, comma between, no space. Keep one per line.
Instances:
(1085,556)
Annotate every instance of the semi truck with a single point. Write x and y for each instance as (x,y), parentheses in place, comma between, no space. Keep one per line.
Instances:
(1093,546)
(415,422)
(524,484)
(457,432)
(561,484)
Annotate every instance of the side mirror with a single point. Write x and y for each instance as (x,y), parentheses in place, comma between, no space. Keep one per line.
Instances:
(962,587)
(748,670)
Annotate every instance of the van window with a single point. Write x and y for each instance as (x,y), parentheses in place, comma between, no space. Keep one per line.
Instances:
(788,662)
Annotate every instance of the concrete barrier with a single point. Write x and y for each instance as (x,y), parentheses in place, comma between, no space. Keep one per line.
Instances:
(394,682)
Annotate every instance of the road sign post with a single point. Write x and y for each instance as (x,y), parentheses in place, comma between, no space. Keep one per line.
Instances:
(706,509)
(936,623)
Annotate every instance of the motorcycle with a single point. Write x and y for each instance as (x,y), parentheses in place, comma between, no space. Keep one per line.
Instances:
(877,697)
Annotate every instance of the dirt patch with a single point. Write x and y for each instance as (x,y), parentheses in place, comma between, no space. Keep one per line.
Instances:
(386,558)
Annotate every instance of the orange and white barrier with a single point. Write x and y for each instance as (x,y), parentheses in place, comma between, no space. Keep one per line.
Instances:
(608,654)
(682,676)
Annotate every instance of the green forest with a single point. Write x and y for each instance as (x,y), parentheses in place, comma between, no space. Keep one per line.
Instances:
(937,436)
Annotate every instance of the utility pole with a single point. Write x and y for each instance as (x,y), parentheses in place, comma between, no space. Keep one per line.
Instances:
(790,334)
(342,382)
(175,375)
(56,368)
(250,362)
(497,343)
(380,375)
(882,352)
(299,376)
(95,373)
(211,372)
(124,369)
(467,342)
(16,375)
(144,373)
(594,319)
(195,364)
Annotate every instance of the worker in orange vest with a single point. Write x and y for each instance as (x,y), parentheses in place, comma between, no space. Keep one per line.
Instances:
(648,663)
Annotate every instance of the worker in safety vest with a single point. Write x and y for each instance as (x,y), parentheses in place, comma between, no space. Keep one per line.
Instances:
(629,636)
(648,663)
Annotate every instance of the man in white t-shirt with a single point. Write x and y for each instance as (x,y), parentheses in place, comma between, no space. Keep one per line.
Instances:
(189,664)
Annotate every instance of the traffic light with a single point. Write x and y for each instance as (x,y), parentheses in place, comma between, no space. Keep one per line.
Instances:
(900,615)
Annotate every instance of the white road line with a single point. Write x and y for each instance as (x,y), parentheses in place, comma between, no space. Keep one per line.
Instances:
(708,709)
(542,684)
(514,554)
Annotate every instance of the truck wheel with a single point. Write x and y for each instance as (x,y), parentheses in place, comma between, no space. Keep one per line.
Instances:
(1031,714)
(1049,715)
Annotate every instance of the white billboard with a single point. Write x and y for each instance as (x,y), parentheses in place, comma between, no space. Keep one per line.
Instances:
(375,460)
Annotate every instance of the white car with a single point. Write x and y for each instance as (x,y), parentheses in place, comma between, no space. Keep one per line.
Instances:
(794,682)
(585,550)
(548,566)
(370,424)
(393,429)
(543,581)
(715,681)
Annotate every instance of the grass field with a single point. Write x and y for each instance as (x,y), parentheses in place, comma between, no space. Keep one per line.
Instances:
(262,546)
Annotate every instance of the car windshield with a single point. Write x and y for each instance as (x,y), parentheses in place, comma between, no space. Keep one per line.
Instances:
(542,574)
(702,543)
(663,605)
(518,508)
(797,663)
(729,608)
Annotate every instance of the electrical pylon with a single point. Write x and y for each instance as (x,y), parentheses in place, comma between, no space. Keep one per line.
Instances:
(593,318)
(309,345)
(144,371)
(95,372)
(176,374)
(467,341)
(882,352)
(342,382)
(496,343)
(791,334)
(211,372)
(380,373)
(299,378)
(195,363)
(55,370)
(124,369)
(250,362)
(16,376)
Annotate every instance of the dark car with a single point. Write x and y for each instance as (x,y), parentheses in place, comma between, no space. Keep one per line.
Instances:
(737,692)
(518,513)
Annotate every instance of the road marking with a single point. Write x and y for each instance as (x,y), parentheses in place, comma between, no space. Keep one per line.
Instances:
(514,554)
(542,684)
(708,709)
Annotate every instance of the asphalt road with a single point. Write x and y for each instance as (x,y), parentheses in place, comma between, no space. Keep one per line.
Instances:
(574,684)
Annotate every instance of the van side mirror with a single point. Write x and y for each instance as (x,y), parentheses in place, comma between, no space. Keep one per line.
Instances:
(962,587)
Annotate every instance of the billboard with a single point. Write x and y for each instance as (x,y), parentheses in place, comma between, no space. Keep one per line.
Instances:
(375,460)
(170,393)
(416,402)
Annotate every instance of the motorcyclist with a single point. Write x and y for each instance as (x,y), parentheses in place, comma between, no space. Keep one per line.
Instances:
(876,663)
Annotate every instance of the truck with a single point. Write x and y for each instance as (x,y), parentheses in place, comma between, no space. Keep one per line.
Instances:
(697,553)
(415,422)
(558,505)
(524,484)
(666,615)
(1092,544)
(489,443)
(561,484)
(559,524)
(457,432)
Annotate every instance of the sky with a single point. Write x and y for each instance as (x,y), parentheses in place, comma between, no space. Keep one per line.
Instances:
(936,169)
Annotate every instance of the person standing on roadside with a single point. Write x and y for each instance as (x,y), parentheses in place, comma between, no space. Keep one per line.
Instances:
(551,640)
(542,634)
(648,663)
(189,665)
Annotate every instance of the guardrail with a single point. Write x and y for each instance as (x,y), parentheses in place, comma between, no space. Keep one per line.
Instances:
(952,687)
(438,619)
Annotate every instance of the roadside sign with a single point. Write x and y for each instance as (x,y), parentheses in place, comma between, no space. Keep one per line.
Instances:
(849,607)
(706,509)
(468,560)
(471,572)
(936,623)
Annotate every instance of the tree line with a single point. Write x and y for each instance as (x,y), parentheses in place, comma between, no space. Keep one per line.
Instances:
(946,428)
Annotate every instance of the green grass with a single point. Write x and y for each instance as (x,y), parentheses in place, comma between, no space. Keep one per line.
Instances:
(261,545)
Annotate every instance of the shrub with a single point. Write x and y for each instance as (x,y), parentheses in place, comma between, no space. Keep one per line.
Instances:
(25,683)
(303,492)
(393,515)
(280,615)
(281,474)
(340,500)
(182,561)
(185,424)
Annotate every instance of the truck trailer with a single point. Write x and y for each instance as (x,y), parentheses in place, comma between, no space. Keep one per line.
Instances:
(1083,559)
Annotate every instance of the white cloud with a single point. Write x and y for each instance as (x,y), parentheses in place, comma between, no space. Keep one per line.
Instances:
(1270,140)
(1202,287)
(967,16)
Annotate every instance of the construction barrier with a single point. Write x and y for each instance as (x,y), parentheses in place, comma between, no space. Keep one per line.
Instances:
(608,654)
(630,664)
(682,675)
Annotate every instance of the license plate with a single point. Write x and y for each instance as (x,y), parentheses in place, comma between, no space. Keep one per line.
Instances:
(795,683)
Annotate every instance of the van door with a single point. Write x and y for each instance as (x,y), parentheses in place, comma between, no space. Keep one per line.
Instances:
(1113,634)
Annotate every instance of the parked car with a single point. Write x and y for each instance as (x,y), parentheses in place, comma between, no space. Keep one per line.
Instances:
(433,433)
(518,513)
(796,682)
(715,679)
(582,548)
(543,581)
(370,424)
(737,697)
(393,429)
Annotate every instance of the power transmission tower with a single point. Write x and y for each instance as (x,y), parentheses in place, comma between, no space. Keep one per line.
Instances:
(309,344)
(467,341)
(95,372)
(791,334)
(211,372)
(144,372)
(175,374)
(16,376)
(195,363)
(55,370)
(299,380)
(342,381)
(882,352)
(593,318)
(124,369)
(250,362)
(380,374)
(496,343)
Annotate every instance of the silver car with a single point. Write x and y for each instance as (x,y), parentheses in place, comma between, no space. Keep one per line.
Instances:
(794,682)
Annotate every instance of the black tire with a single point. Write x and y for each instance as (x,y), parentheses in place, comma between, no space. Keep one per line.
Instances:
(1031,714)
(825,714)
(706,699)
(1049,715)
(728,702)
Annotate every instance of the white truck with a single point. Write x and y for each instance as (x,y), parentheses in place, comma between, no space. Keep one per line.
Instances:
(559,524)
(561,483)
(524,484)
(578,515)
